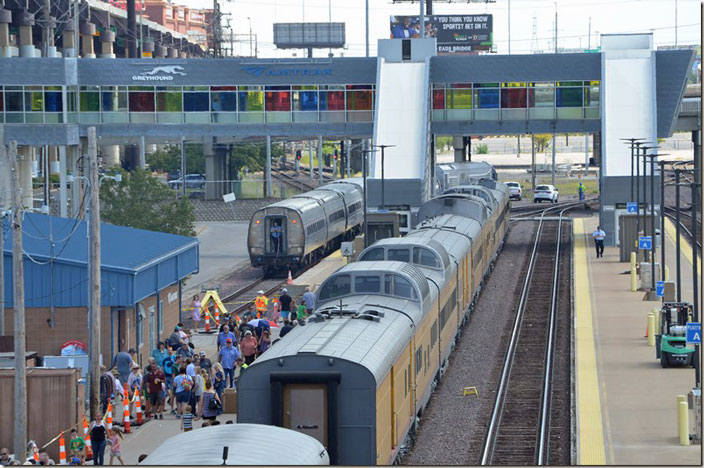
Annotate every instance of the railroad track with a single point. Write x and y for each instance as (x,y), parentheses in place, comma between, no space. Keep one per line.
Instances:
(531,210)
(245,296)
(519,431)
(685,225)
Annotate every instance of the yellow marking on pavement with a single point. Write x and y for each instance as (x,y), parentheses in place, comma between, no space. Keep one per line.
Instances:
(200,229)
(337,253)
(591,435)
(685,247)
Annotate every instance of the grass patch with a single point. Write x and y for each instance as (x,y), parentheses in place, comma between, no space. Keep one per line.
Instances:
(566,186)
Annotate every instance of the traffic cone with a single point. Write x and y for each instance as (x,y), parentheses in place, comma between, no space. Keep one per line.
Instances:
(62,450)
(109,419)
(217,316)
(86,436)
(207,321)
(290,278)
(138,408)
(36,454)
(126,412)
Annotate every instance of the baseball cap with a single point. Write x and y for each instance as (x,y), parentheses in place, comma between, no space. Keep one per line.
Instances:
(229,340)
(202,353)
(248,332)
(284,290)
(260,292)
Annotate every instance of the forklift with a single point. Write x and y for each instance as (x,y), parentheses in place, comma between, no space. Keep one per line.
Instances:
(671,342)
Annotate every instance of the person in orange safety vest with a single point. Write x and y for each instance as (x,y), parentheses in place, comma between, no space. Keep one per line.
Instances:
(261,304)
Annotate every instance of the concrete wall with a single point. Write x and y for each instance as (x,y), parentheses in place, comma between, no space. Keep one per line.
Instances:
(615,193)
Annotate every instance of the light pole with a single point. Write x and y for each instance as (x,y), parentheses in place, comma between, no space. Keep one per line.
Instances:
(364,182)
(633,143)
(250,36)
(383,147)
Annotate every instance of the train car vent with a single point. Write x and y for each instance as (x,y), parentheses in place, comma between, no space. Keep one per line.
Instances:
(449,202)
(371,318)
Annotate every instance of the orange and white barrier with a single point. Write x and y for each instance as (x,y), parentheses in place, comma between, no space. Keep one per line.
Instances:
(62,450)
(126,412)
(217,316)
(138,408)
(86,436)
(109,416)
(289,280)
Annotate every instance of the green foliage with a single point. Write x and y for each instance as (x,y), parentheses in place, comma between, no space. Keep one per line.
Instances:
(144,202)
(542,141)
(482,149)
(169,159)
(443,142)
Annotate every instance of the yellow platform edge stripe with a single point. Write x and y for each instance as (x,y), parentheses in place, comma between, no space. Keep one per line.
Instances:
(590,437)
(685,248)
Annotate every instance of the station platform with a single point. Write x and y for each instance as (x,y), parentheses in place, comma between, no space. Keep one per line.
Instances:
(314,276)
(625,401)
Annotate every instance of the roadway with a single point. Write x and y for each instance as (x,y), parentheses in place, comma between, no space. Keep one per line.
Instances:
(223,249)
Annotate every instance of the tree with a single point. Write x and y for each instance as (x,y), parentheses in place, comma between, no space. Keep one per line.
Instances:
(142,201)
(168,159)
(542,141)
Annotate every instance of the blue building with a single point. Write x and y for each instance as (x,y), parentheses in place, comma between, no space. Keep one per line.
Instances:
(141,273)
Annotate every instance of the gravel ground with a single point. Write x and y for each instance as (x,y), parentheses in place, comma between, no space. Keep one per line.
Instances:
(453,425)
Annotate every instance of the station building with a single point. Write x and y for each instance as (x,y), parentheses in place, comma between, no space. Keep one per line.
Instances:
(405,97)
(141,273)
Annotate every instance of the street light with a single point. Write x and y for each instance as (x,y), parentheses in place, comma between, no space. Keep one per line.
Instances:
(250,36)
(364,182)
(383,147)
(633,142)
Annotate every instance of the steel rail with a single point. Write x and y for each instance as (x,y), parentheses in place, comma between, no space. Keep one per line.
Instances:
(492,430)
(546,406)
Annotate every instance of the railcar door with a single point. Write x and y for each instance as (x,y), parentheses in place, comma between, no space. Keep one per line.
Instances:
(276,243)
(306,410)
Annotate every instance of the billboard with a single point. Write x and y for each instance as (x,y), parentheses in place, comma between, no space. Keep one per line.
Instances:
(304,35)
(454,33)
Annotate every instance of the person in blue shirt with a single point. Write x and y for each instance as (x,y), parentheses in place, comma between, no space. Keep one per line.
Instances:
(599,235)
(228,357)
(160,353)
(224,335)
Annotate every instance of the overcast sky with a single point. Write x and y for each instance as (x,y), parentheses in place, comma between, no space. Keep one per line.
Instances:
(607,16)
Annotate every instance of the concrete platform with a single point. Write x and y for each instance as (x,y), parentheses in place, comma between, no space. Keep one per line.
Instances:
(626,403)
(322,271)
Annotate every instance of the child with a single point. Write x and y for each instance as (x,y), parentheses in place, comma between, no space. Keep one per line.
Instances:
(76,446)
(187,419)
(114,436)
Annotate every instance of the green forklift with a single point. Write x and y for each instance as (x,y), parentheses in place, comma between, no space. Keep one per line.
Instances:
(671,343)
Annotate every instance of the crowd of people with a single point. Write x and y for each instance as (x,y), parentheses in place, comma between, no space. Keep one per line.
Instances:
(179,379)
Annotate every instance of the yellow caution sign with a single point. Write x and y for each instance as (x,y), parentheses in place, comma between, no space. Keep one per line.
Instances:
(470,391)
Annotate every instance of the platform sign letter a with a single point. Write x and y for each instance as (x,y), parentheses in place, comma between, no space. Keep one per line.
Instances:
(694,332)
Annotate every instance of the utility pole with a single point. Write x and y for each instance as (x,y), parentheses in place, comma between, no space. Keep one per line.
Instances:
(509,30)
(94,290)
(554,150)
(532,162)
(183,167)
(320,160)
(20,440)
(678,271)
(366,19)
(662,220)
(555,37)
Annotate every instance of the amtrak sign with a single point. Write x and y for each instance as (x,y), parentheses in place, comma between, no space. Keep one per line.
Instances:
(160,73)
(270,71)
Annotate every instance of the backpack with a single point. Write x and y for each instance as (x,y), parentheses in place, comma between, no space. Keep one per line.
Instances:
(187,384)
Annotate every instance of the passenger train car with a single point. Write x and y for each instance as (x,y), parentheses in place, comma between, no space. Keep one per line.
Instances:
(450,175)
(247,444)
(359,373)
(309,226)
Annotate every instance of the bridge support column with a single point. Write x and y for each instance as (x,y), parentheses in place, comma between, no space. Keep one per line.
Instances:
(74,152)
(107,40)
(111,155)
(63,193)
(87,31)
(458,145)
(5,20)
(214,169)
(268,189)
(69,41)
(24,20)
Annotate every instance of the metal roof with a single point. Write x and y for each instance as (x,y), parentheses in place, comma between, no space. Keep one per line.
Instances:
(135,263)
(249,444)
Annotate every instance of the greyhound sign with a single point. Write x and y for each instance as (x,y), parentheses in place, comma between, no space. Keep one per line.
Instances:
(160,73)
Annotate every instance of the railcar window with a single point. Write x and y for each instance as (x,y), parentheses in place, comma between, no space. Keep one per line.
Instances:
(403,288)
(402,255)
(425,257)
(376,253)
(419,359)
(387,284)
(367,284)
(335,287)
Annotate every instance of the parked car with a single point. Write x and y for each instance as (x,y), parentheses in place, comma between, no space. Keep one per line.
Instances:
(545,192)
(514,190)
(196,181)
